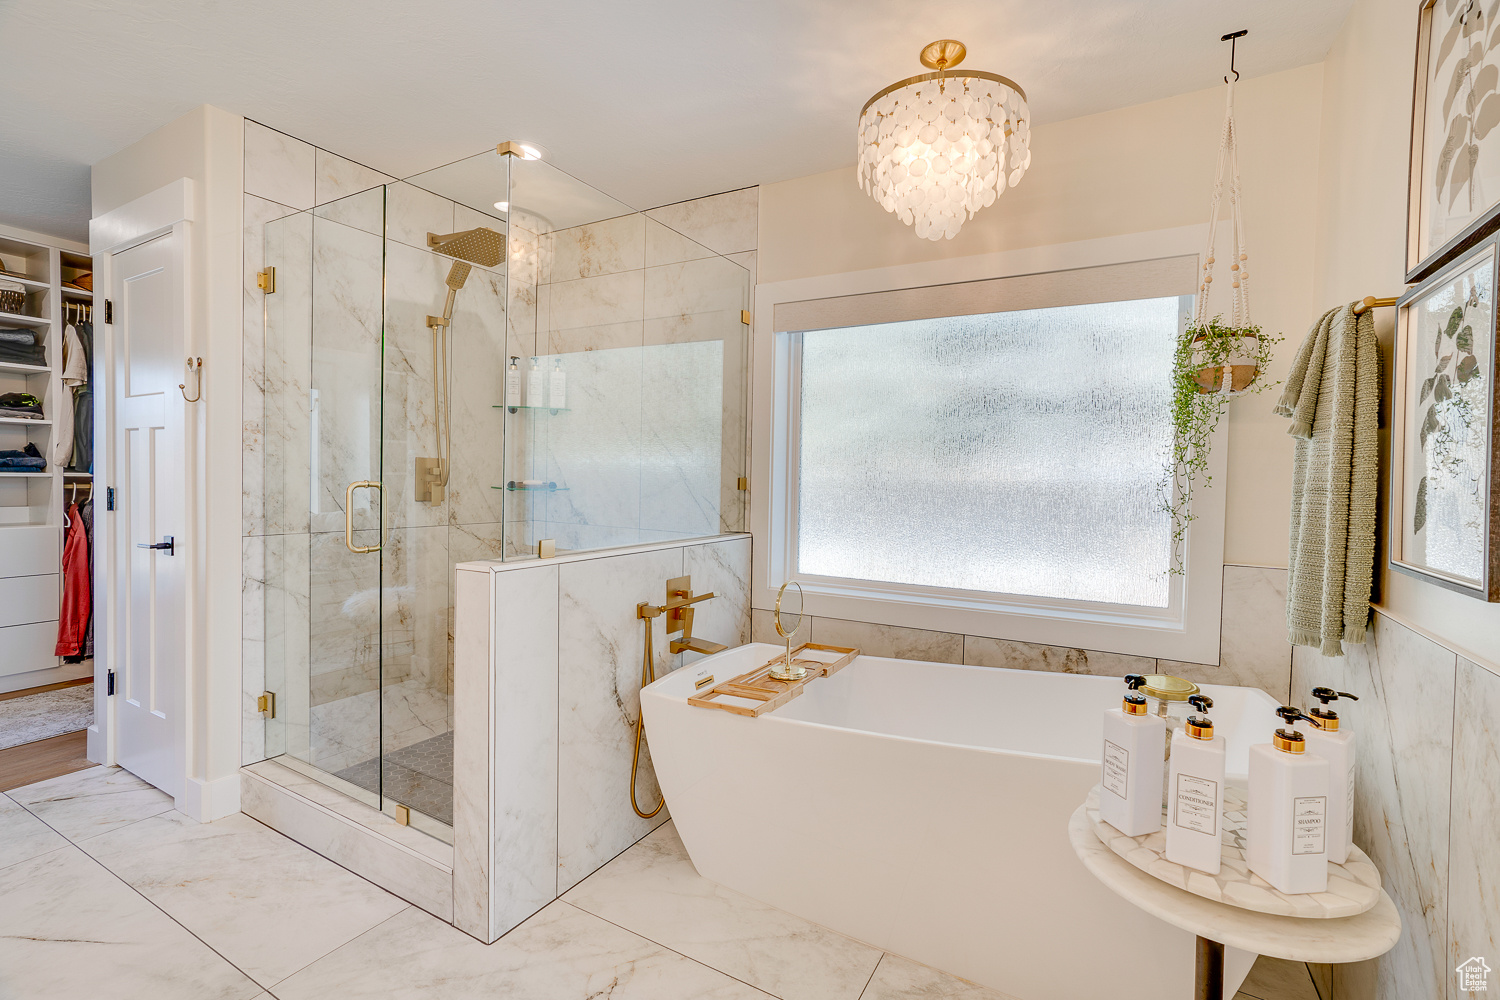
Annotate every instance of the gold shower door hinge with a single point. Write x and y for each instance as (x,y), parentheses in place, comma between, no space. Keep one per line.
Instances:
(745,316)
(744,485)
(266,704)
(266,280)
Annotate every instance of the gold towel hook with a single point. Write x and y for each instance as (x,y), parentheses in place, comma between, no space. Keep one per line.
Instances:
(194,367)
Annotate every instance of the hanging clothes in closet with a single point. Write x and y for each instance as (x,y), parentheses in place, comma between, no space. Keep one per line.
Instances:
(73,623)
(86,514)
(83,400)
(74,374)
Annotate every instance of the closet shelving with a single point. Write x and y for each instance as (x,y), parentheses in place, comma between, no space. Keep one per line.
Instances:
(31,503)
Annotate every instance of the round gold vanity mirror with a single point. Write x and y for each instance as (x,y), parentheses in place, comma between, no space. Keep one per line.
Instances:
(788,620)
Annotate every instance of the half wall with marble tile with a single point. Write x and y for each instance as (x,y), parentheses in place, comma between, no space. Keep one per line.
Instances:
(1427,810)
(548,677)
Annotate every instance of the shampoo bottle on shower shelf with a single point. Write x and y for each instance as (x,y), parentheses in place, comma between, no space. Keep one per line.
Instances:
(1320,728)
(1196,809)
(534,389)
(1131,764)
(1288,812)
(513,383)
(558,389)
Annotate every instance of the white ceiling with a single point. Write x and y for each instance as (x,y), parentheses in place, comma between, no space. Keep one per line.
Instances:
(653,101)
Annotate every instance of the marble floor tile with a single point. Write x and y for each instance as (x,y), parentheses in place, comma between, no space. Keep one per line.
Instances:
(899,979)
(90,802)
(1277,979)
(888,640)
(23,836)
(69,929)
(654,890)
(561,953)
(262,901)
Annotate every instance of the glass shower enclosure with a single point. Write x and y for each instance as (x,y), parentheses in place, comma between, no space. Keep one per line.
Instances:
(394,449)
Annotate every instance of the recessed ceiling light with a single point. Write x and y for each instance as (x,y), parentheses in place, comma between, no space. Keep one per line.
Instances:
(502,206)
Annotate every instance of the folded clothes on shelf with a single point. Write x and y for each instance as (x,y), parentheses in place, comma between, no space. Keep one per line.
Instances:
(20,404)
(20,347)
(27,459)
(17,335)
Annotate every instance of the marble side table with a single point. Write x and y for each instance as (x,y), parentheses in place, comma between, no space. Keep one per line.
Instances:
(1297,939)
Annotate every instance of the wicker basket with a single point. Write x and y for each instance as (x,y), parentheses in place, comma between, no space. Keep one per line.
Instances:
(11,301)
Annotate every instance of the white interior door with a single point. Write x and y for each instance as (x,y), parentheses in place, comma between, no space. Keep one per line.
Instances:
(149,565)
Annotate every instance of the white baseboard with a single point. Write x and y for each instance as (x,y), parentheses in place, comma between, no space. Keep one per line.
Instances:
(206,801)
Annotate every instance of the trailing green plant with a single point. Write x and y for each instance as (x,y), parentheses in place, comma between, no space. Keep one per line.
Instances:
(1196,412)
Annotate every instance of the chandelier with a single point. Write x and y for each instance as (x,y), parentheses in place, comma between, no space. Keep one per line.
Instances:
(936,148)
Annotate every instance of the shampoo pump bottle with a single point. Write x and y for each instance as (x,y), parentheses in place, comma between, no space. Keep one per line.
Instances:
(535,391)
(513,384)
(1288,812)
(1197,782)
(1132,764)
(558,397)
(1320,728)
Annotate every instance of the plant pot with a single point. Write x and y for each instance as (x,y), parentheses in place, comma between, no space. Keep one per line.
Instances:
(1239,367)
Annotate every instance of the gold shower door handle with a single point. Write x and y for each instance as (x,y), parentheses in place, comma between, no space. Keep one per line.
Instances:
(349,516)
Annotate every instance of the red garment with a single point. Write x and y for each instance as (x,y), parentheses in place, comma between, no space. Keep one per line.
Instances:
(77,588)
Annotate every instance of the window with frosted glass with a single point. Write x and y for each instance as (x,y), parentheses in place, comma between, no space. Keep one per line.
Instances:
(1012,452)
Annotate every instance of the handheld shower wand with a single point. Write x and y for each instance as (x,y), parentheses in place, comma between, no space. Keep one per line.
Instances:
(486,248)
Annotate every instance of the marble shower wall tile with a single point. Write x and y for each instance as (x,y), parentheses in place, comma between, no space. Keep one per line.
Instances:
(667,246)
(364,210)
(478,381)
(286,378)
(411,213)
(681,461)
(1473,847)
(695,300)
(599,680)
(286,596)
(593,314)
(416,578)
(725,223)
(252,648)
(888,640)
(595,449)
(985,652)
(257,213)
(605,247)
(278,167)
(1404,726)
(724,569)
(338,178)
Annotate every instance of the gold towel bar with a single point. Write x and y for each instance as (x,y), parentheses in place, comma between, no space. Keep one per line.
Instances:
(1371,302)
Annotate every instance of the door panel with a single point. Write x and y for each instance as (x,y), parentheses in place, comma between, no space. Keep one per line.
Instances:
(149,587)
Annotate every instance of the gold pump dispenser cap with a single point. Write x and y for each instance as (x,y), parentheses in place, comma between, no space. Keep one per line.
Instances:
(1134,704)
(1288,741)
(1324,720)
(1165,687)
(1199,727)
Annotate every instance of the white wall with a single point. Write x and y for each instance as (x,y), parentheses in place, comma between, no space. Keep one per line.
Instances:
(206,146)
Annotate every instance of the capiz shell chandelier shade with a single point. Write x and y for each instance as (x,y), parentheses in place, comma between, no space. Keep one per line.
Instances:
(935,149)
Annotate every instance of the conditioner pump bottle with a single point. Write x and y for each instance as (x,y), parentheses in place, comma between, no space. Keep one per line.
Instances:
(513,384)
(1320,728)
(1196,809)
(1132,764)
(1288,812)
(535,389)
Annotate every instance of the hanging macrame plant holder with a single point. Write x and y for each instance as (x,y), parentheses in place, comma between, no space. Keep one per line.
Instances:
(1225,354)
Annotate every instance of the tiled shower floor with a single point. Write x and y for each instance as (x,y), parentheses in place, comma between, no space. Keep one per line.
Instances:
(419,776)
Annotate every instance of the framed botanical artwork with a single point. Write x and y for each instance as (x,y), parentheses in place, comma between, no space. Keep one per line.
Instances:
(1445,494)
(1454,193)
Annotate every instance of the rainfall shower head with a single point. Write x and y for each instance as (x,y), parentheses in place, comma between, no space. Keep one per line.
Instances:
(481,246)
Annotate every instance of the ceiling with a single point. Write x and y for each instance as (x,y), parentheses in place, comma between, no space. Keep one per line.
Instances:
(653,101)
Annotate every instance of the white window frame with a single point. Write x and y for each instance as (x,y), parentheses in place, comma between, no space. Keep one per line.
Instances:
(1188,629)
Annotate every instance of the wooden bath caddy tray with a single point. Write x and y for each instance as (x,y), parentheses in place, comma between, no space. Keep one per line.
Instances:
(760,687)
(1353,887)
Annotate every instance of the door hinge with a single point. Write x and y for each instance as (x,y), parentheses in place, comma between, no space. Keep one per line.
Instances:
(266,280)
(109,683)
(744,484)
(266,704)
(745,316)
(109,311)
(109,498)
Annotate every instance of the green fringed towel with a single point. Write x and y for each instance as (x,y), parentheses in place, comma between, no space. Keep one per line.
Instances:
(1333,398)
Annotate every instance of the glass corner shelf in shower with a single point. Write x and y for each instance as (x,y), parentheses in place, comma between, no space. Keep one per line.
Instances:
(515,486)
(550,409)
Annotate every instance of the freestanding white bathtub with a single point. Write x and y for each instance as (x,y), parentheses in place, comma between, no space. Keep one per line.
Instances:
(923,808)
